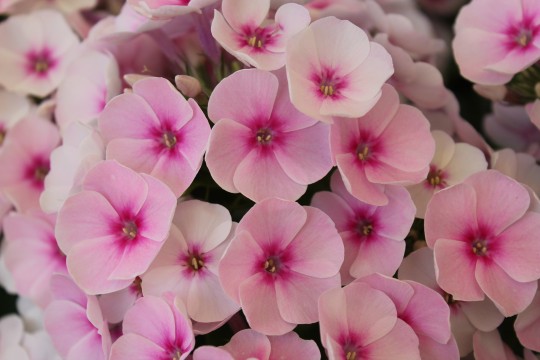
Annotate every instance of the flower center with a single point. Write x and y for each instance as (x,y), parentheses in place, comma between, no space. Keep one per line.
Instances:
(2,137)
(130,230)
(479,247)
(362,152)
(271,265)
(327,89)
(40,172)
(255,41)
(169,139)
(435,178)
(264,136)
(41,66)
(196,262)
(177,355)
(351,355)
(524,37)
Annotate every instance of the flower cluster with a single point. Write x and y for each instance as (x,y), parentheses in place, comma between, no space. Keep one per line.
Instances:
(268,179)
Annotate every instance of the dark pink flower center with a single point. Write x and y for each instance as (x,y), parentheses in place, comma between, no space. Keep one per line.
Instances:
(40,62)
(130,230)
(352,350)
(272,265)
(479,247)
(37,172)
(196,262)
(264,136)
(436,178)
(523,34)
(169,139)
(365,228)
(328,83)
(258,38)
(362,152)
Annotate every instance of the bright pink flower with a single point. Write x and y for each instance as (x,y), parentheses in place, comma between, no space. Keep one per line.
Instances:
(154,130)
(527,325)
(261,146)
(244,31)
(334,70)
(25,161)
(466,317)
(32,254)
(360,322)
(35,63)
(389,145)
(130,219)
(154,329)
(250,344)
(282,258)
(167,9)
(495,39)
(187,265)
(484,240)
(451,164)
(75,322)
(373,236)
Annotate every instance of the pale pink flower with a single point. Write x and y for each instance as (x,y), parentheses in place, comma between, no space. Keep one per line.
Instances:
(389,145)
(154,328)
(35,61)
(360,322)
(373,235)
(261,146)
(484,241)
(130,219)
(519,166)
(13,108)
(91,81)
(527,325)
(187,265)
(334,70)
(253,345)
(32,254)
(155,130)
(495,39)
(75,322)
(451,164)
(11,335)
(167,9)
(466,317)
(244,31)
(282,258)
(25,161)
(489,346)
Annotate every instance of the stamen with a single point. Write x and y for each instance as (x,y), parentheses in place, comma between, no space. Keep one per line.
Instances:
(270,266)
(169,139)
(196,263)
(479,247)
(41,66)
(255,42)
(524,38)
(362,155)
(177,355)
(41,172)
(327,90)
(264,136)
(351,355)
(130,230)
(367,229)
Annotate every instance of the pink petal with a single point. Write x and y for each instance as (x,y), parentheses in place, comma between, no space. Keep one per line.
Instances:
(483,315)
(135,347)
(528,323)
(240,13)
(137,154)
(376,255)
(211,353)
(248,344)
(420,267)
(335,207)
(136,259)
(292,346)
(430,349)
(398,215)
(195,134)
(400,343)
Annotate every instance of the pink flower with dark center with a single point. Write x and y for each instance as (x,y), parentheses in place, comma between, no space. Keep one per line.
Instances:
(484,240)
(492,46)
(244,31)
(36,62)
(25,161)
(334,70)
(282,258)
(390,145)
(154,130)
(261,146)
(154,328)
(373,236)
(131,217)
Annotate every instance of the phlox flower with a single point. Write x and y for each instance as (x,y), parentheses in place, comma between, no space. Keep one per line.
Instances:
(282,258)
(261,146)
(154,130)
(35,50)
(75,322)
(527,325)
(25,161)
(360,322)
(32,254)
(131,217)
(167,9)
(154,328)
(334,70)
(451,164)
(389,145)
(489,346)
(519,166)
(484,241)
(13,107)
(247,344)
(187,265)
(244,31)
(373,235)
(495,39)
(466,317)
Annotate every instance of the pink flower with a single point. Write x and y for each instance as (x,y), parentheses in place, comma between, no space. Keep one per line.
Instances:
(250,344)
(261,146)
(491,46)
(154,329)
(32,254)
(489,346)
(360,322)
(389,145)
(484,241)
(130,219)
(35,63)
(13,108)
(154,130)
(451,164)
(334,70)
(167,9)
(373,236)
(187,265)
(282,258)
(25,161)
(527,325)
(244,31)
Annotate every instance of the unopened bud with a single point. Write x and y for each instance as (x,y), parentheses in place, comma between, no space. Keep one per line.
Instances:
(133,78)
(494,93)
(188,85)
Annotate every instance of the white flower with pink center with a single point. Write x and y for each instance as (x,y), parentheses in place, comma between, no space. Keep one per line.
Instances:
(244,31)
(495,39)
(35,61)
(334,70)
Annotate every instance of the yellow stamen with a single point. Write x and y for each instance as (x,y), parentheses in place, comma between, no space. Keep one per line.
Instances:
(41,66)
(130,230)
(351,355)
(367,229)
(270,266)
(255,42)
(169,139)
(327,90)
(363,155)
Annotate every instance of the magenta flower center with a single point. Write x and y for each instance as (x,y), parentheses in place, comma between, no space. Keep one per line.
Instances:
(169,139)
(264,136)
(435,178)
(524,37)
(364,228)
(130,230)
(37,171)
(479,247)
(40,62)
(362,152)
(328,83)
(196,262)
(40,172)
(272,265)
